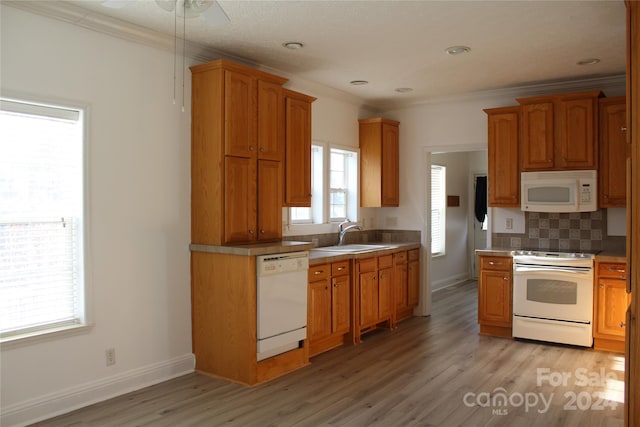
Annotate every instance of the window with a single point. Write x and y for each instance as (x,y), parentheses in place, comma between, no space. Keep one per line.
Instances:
(438,209)
(334,187)
(41,218)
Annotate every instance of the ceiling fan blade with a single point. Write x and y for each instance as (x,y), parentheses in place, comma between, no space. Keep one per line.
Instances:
(215,14)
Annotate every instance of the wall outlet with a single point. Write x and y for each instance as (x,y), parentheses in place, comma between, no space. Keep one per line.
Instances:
(110,356)
(508,224)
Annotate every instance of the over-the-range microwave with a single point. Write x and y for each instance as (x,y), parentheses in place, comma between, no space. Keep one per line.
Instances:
(559,191)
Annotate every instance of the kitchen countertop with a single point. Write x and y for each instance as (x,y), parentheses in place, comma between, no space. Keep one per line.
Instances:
(255,248)
(318,256)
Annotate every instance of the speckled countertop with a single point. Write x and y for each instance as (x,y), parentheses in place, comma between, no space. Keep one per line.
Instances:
(318,256)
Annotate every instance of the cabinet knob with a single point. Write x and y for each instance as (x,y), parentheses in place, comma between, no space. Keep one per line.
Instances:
(262,231)
(623,129)
(335,285)
(340,268)
(505,278)
(250,231)
(318,272)
(251,148)
(622,324)
(601,286)
(262,149)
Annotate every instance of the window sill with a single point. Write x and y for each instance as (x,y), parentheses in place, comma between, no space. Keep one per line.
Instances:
(37,337)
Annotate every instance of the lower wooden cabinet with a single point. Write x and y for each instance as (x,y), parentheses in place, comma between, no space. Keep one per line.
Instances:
(495,290)
(374,292)
(406,283)
(329,306)
(610,302)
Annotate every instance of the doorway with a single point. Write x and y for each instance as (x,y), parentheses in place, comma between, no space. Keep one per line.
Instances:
(479,219)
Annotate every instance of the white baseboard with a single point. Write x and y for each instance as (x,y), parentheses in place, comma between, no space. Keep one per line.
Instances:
(70,399)
(449,281)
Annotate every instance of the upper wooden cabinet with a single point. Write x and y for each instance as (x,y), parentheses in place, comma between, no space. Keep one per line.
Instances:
(559,131)
(237,145)
(379,162)
(504,174)
(297,107)
(613,153)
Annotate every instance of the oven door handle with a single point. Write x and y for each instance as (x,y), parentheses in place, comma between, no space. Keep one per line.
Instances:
(548,269)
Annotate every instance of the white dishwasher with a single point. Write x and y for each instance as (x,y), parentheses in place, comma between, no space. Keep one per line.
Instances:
(282,302)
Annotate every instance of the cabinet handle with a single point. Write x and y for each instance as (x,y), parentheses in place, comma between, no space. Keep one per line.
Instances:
(622,324)
(340,268)
(616,270)
(601,286)
(494,263)
(335,285)
(250,231)
(318,272)
(505,278)
(262,149)
(251,148)
(261,231)
(623,129)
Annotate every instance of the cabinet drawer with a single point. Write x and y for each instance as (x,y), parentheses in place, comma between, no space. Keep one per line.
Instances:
(400,258)
(495,263)
(613,270)
(317,272)
(340,268)
(385,261)
(367,264)
(414,254)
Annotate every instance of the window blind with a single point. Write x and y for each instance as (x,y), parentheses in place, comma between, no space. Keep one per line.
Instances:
(41,224)
(438,206)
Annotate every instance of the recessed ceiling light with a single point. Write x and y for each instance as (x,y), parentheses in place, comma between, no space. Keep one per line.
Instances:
(359,82)
(403,89)
(293,45)
(457,50)
(589,61)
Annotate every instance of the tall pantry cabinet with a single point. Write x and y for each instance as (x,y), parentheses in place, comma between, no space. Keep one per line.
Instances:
(237,137)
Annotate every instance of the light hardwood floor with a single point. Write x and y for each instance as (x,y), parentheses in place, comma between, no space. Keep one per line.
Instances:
(434,371)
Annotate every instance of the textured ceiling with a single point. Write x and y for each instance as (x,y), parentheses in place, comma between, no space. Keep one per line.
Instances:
(402,43)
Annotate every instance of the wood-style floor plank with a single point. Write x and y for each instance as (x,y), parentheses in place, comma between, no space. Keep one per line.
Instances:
(415,375)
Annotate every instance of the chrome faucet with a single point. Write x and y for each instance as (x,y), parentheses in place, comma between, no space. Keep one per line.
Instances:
(343,230)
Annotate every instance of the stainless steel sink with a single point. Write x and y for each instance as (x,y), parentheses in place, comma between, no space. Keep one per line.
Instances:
(354,248)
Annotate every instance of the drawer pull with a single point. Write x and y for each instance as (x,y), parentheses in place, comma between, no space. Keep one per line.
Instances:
(616,270)
(318,272)
(340,268)
(495,263)
(622,324)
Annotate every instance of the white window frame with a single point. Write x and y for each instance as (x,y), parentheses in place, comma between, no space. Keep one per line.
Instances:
(321,222)
(82,320)
(438,210)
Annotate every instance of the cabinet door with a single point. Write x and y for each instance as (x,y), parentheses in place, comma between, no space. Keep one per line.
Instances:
(413,297)
(298,152)
(537,143)
(368,298)
(269,200)
(504,176)
(385,293)
(613,154)
(612,307)
(576,139)
(319,324)
(400,284)
(270,121)
(494,298)
(390,165)
(240,199)
(340,304)
(240,127)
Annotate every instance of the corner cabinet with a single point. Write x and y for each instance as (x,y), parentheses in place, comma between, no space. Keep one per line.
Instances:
(406,283)
(495,292)
(237,135)
(297,162)
(329,306)
(504,174)
(379,162)
(610,301)
(559,131)
(612,176)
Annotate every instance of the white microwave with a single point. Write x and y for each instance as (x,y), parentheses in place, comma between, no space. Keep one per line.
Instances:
(559,191)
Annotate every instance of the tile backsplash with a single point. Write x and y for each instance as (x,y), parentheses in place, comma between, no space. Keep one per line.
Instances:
(366,236)
(575,231)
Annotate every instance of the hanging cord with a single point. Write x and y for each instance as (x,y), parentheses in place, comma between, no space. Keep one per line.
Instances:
(184,44)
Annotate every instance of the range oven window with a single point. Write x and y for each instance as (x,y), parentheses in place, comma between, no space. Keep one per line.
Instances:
(550,291)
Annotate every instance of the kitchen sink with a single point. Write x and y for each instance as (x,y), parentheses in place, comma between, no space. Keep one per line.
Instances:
(352,249)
